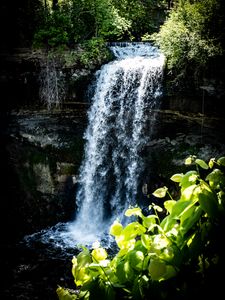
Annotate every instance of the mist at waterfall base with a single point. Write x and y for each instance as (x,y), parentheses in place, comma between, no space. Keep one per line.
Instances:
(120,124)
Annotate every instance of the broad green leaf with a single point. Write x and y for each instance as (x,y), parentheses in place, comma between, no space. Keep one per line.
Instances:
(189,193)
(188,223)
(168,223)
(160,241)
(124,271)
(81,276)
(136,259)
(139,246)
(190,160)
(188,179)
(74,266)
(216,179)
(99,254)
(169,205)
(187,213)
(177,177)
(84,258)
(136,211)
(161,192)
(149,220)
(109,292)
(132,230)
(211,163)
(202,164)
(146,240)
(170,272)
(95,270)
(116,228)
(179,207)
(221,161)
(157,269)
(124,244)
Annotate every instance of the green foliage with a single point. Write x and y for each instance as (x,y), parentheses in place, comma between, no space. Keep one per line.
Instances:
(94,52)
(191,36)
(153,250)
(73,21)
(144,16)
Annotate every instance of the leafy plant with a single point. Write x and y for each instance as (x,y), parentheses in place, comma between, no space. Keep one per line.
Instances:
(94,52)
(191,37)
(176,240)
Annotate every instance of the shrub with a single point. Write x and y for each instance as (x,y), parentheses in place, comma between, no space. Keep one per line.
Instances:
(167,257)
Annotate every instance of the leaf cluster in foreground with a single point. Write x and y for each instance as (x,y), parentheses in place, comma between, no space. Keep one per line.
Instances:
(161,257)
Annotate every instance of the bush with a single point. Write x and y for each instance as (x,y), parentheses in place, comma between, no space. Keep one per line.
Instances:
(171,253)
(191,36)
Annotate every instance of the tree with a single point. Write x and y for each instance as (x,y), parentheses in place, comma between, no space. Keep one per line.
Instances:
(192,35)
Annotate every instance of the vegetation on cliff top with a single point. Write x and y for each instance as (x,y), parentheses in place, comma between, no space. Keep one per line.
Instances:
(190,33)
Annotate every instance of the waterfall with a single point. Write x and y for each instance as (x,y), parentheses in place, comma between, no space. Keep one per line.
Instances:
(121,120)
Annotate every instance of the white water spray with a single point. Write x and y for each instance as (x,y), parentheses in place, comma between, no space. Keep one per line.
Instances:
(121,119)
(121,122)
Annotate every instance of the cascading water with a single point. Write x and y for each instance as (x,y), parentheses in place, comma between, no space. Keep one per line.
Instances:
(121,121)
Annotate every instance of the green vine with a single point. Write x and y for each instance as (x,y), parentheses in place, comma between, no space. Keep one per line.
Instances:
(161,256)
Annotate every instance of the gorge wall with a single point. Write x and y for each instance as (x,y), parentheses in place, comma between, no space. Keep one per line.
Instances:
(42,149)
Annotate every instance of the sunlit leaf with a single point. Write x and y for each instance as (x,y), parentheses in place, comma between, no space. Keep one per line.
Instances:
(116,228)
(170,272)
(149,220)
(132,230)
(84,258)
(202,164)
(216,179)
(157,269)
(157,207)
(188,179)
(221,161)
(136,259)
(81,276)
(160,241)
(188,223)
(168,223)
(99,254)
(125,245)
(211,163)
(169,205)
(160,192)
(136,211)
(177,177)
(124,271)
(179,207)
(189,193)
(146,240)
(190,160)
